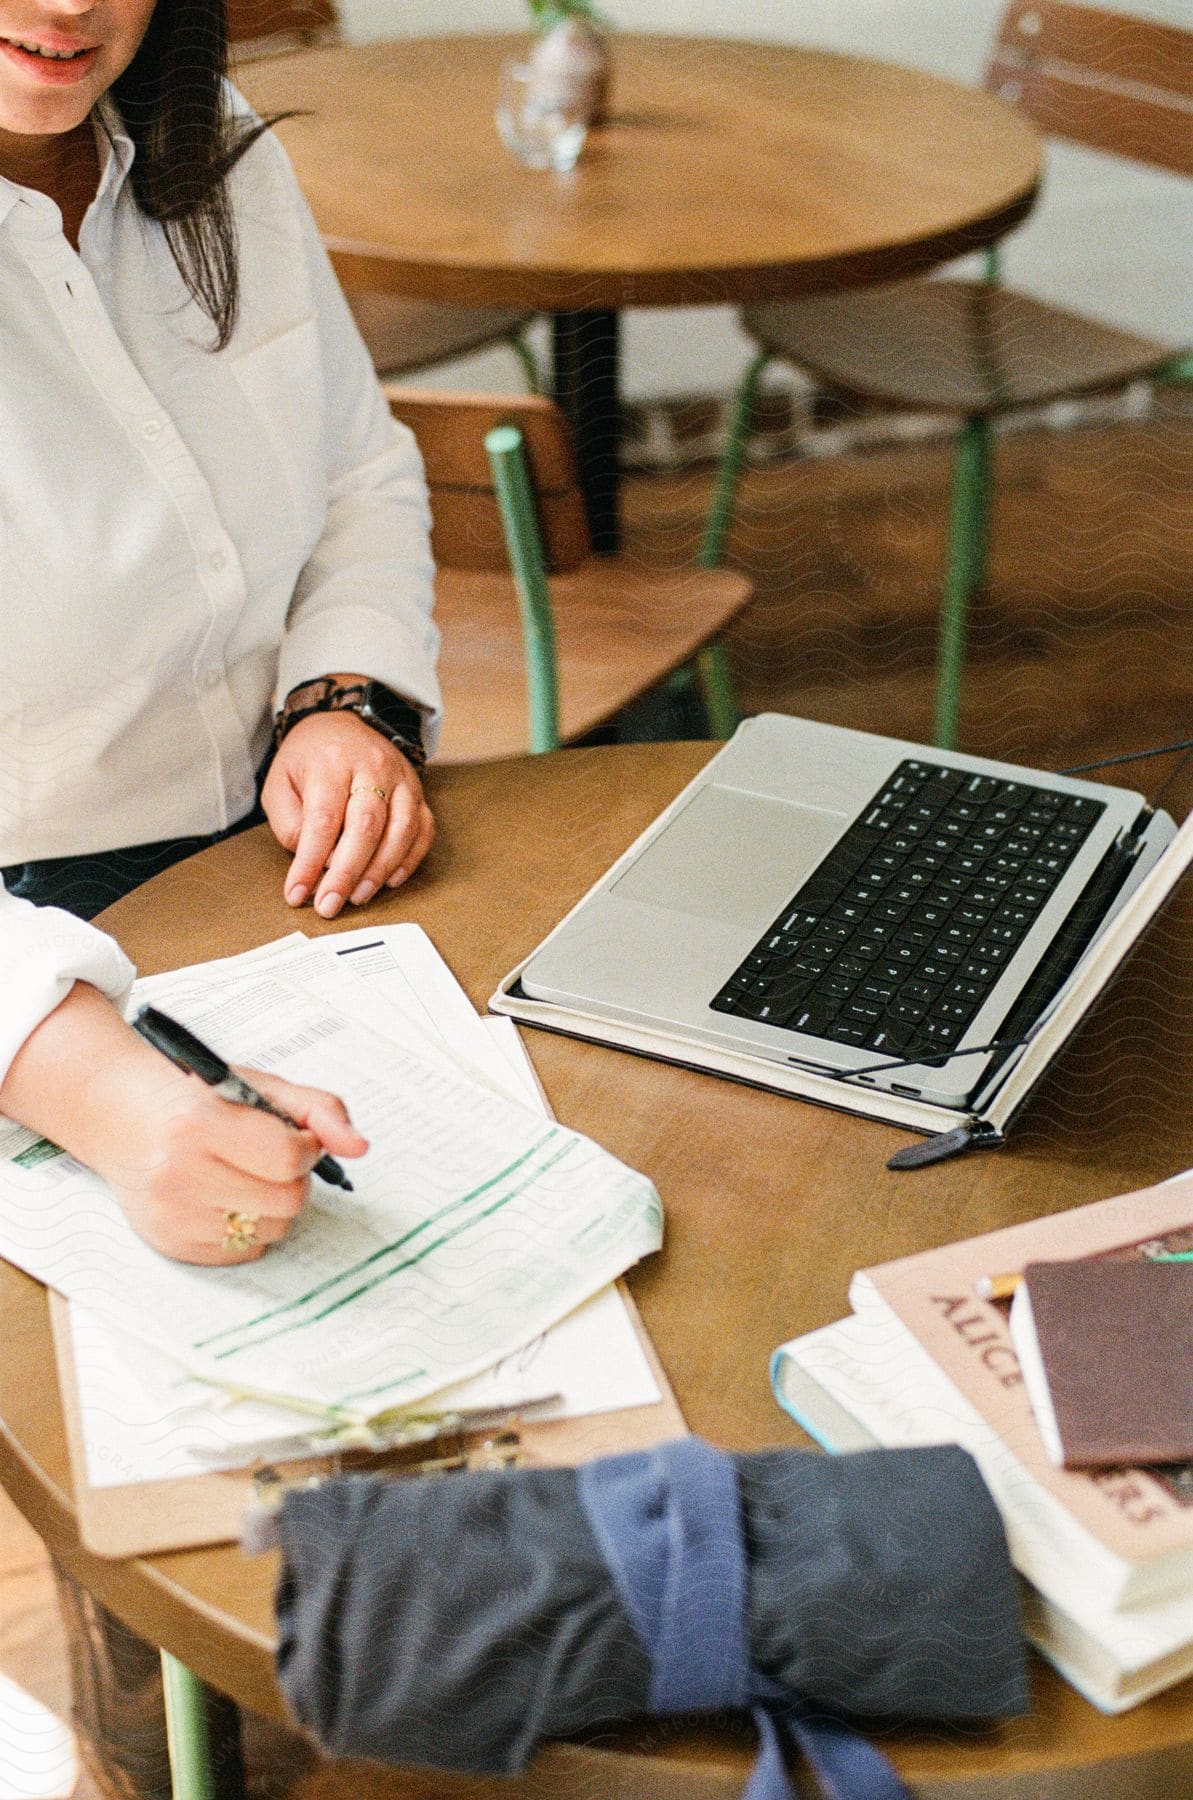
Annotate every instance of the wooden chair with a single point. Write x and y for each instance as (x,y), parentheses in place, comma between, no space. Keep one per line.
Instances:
(402,335)
(973,348)
(543,641)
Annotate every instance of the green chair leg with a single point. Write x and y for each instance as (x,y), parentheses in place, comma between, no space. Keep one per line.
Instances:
(729,467)
(679,682)
(712,665)
(519,518)
(716,686)
(965,573)
(186,1729)
(1179,372)
(529,362)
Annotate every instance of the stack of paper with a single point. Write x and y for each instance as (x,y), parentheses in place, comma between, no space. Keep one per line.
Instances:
(475,1227)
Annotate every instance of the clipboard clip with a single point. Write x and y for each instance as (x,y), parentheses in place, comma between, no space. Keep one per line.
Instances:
(456,1443)
(375,1435)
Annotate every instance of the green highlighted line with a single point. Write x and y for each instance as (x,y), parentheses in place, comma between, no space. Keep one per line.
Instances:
(408,1262)
(381,1387)
(375,1256)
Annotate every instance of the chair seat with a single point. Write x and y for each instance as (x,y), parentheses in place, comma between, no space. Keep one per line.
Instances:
(618,631)
(966,347)
(411,334)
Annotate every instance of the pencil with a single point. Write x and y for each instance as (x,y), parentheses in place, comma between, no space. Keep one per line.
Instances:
(996,1287)
(1001,1287)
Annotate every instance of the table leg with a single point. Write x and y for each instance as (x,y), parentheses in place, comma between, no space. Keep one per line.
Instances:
(203,1728)
(585,385)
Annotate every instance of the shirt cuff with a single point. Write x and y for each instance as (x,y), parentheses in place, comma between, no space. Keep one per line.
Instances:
(43,952)
(399,655)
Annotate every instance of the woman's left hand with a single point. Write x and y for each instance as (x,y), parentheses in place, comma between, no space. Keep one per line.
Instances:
(351,808)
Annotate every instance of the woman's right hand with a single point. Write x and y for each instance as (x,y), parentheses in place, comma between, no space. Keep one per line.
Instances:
(179,1159)
(190,1165)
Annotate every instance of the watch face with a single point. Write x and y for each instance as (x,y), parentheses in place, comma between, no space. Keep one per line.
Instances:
(392,712)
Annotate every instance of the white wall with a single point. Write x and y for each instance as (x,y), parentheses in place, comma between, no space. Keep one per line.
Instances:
(1110,238)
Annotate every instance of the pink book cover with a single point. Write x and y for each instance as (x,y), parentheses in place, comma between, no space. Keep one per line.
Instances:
(1136,1512)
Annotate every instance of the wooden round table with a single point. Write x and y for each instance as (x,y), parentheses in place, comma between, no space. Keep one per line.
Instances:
(771,1204)
(727,172)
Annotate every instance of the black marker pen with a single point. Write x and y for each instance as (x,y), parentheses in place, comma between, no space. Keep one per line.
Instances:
(186,1052)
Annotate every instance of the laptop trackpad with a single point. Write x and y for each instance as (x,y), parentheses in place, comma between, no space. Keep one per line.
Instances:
(731,855)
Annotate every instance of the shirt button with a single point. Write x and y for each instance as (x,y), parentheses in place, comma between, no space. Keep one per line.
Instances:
(212,679)
(151,428)
(217,561)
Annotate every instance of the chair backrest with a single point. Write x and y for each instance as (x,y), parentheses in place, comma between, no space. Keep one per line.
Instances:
(451,429)
(263,27)
(1101,78)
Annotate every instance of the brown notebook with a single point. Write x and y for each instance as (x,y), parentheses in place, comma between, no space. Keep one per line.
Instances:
(1106,1350)
(1138,1522)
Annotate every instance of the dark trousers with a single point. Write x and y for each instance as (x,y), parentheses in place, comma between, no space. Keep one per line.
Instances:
(84,885)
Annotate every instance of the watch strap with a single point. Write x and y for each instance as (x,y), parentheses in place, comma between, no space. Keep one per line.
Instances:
(402,727)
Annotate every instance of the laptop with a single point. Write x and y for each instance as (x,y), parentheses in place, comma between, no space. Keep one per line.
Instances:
(854,909)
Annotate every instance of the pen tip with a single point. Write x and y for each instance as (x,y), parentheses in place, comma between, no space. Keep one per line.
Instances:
(345,1183)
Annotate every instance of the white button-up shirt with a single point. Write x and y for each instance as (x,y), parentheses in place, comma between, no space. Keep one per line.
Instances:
(184,537)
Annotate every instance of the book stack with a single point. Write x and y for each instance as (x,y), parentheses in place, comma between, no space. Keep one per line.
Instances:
(1106,1554)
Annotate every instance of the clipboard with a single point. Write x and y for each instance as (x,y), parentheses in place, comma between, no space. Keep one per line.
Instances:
(144,1517)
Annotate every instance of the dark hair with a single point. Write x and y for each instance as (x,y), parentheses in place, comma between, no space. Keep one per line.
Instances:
(173,103)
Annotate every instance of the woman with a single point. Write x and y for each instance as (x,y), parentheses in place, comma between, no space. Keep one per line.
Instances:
(206,514)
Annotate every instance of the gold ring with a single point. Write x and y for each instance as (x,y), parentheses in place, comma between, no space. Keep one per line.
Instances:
(240,1230)
(364,788)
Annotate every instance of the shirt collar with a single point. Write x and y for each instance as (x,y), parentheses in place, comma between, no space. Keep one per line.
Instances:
(116,151)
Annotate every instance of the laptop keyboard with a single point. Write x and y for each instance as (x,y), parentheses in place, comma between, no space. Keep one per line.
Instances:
(899,936)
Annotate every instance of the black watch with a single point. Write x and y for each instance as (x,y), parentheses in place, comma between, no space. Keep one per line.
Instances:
(396,719)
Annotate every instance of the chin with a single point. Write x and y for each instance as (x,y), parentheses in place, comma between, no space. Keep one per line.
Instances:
(46,115)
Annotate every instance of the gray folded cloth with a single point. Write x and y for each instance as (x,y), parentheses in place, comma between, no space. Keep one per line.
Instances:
(454,1622)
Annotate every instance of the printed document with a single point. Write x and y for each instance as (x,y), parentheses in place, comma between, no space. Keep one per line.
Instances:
(145,1419)
(475,1225)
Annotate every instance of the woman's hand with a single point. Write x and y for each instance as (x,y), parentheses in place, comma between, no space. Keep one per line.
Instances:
(178,1158)
(205,1181)
(351,808)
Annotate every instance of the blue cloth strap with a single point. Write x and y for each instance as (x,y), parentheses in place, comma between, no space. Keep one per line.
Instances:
(668,1524)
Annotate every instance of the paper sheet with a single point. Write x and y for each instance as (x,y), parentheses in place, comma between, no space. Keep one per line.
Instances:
(475,1224)
(144,1418)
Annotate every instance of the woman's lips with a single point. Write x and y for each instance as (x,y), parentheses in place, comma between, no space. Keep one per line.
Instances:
(51,71)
